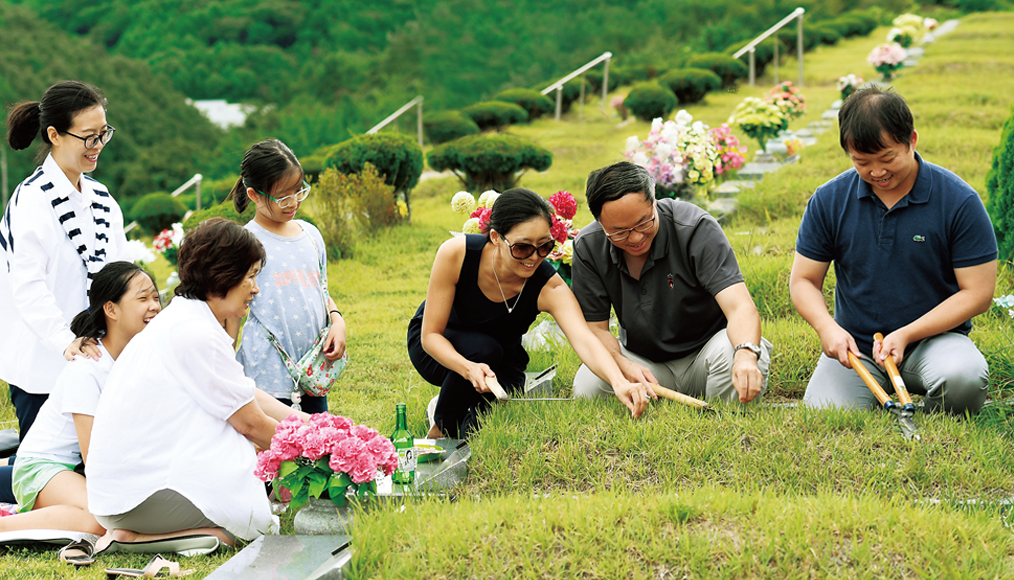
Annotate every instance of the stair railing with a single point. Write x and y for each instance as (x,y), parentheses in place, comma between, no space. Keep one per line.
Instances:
(416,102)
(558,85)
(751,47)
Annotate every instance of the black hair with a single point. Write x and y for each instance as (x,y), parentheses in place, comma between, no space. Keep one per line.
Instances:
(613,182)
(516,206)
(264,164)
(58,107)
(109,285)
(870,112)
(215,257)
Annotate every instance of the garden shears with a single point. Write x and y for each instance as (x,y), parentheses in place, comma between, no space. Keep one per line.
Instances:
(679,397)
(902,412)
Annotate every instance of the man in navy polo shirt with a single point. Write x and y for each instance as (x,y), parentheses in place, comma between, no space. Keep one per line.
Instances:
(914,258)
(687,320)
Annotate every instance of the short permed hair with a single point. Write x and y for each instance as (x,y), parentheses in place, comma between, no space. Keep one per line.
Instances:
(215,257)
(613,182)
(870,112)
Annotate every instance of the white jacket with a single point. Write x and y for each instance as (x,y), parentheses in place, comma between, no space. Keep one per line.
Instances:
(43,280)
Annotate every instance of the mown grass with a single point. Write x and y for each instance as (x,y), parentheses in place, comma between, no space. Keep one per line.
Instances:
(578,489)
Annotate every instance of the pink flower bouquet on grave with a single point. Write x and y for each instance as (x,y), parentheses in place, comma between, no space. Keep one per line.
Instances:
(887,58)
(731,153)
(787,98)
(327,454)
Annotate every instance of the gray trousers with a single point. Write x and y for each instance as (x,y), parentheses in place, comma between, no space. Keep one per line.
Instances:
(948,369)
(164,512)
(704,374)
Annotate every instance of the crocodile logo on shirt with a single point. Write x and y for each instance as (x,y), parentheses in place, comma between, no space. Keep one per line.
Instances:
(918,238)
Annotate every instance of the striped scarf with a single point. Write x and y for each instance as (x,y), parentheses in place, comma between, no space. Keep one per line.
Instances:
(92,252)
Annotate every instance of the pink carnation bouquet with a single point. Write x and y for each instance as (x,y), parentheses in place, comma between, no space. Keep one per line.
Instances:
(887,58)
(327,454)
(787,98)
(732,154)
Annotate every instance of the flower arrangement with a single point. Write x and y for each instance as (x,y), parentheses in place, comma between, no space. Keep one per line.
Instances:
(787,98)
(477,212)
(848,84)
(908,29)
(930,24)
(168,242)
(731,153)
(563,231)
(887,58)
(677,153)
(793,146)
(903,36)
(327,454)
(140,253)
(759,119)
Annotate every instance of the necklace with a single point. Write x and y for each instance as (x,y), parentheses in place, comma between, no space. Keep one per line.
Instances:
(510,309)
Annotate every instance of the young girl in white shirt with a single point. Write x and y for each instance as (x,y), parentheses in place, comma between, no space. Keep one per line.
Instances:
(290,304)
(58,230)
(49,489)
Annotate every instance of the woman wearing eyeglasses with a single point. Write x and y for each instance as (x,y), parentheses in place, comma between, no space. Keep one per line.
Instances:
(58,230)
(290,308)
(484,293)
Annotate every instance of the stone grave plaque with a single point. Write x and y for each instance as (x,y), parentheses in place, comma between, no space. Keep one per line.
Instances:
(287,558)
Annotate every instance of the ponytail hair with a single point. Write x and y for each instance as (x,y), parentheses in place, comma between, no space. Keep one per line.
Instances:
(265,164)
(58,107)
(109,285)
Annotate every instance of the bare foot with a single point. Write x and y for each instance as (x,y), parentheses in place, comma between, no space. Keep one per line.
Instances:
(434,433)
(129,537)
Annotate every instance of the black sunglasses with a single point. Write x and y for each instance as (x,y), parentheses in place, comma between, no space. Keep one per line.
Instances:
(520,251)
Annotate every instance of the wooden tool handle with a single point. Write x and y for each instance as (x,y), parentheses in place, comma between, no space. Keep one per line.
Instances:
(872,383)
(892,371)
(678,397)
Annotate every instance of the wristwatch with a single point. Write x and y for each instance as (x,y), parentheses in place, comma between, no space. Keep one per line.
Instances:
(751,347)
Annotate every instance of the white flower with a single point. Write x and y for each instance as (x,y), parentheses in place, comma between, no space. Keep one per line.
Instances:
(639,158)
(177,236)
(663,150)
(139,253)
(633,143)
(683,117)
(463,203)
(488,198)
(471,226)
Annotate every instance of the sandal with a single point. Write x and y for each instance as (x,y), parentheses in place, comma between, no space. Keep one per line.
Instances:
(152,570)
(79,553)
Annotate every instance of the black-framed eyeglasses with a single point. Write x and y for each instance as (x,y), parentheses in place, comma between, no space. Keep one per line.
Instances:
(521,250)
(288,200)
(92,141)
(641,228)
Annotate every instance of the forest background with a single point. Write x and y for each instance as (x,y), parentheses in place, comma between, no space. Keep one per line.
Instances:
(321,71)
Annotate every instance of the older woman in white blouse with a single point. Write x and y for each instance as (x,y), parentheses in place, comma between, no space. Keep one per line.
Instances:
(172,446)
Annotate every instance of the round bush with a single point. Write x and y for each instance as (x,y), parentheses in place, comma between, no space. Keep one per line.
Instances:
(533,102)
(870,19)
(638,72)
(649,100)
(571,93)
(594,79)
(489,161)
(1000,185)
(763,54)
(691,84)
(157,211)
(447,126)
(495,114)
(847,26)
(723,65)
(395,155)
(826,35)
(789,37)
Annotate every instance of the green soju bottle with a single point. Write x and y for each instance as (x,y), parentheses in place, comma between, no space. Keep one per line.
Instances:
(404,444)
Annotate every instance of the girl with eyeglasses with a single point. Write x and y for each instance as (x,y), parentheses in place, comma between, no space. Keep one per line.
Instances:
(290,306)
(59,229)
(484,293)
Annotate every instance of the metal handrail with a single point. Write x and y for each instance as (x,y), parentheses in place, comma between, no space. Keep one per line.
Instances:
(751,46)
(558,85)
(193,181)
(418,101)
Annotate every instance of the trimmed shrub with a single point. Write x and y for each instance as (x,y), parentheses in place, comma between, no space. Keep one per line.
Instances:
(870,19)
(447,126)
(495,114)
(157,211)
(313,164)
(533,102)
(826,35)
(1000,185)
(594,79)
(490,161)
(226,210)
(763,54)
(395,155)
(789,36)
(723,65)
(691,84)
(649,100)
(637,72)
(847,26)
(571,93)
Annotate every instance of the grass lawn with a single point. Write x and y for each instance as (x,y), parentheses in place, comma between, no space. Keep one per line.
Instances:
(579,490)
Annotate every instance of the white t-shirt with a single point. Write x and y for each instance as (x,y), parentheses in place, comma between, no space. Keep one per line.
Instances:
(162,423)
(77,390)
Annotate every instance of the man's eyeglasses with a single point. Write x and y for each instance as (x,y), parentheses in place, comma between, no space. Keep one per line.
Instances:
(520,251)
(641,228)
(92,141)
(288,200)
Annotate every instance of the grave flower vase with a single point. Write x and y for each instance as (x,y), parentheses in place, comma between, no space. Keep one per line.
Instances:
(322,517)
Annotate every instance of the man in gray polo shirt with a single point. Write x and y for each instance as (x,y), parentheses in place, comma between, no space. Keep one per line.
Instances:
(687,320)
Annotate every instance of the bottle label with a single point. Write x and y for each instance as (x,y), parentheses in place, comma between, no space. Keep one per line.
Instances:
(406,459)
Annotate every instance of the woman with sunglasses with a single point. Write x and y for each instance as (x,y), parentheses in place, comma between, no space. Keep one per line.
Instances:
(57,232)
(290,308)
(484,293)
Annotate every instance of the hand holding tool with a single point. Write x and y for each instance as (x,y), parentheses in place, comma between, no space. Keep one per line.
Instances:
(903,415)
(681,398)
